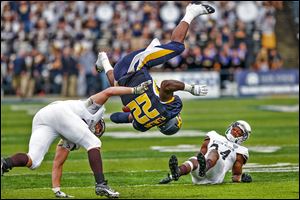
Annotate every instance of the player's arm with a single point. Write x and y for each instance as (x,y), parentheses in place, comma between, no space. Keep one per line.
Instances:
(101,97)
(168,87)
(237,170)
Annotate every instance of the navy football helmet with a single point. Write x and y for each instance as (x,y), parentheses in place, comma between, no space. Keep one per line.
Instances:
(172,126)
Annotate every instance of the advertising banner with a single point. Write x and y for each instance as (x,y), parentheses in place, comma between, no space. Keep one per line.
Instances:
(252,83)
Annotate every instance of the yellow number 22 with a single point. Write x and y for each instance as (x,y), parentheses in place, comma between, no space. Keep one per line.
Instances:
(141,112)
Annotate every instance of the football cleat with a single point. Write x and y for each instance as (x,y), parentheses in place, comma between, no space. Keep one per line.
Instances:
(60,194)
(174,169)
(209,9)
(166,180)
(196,8)
(3,166)
(202,164)
(103,189)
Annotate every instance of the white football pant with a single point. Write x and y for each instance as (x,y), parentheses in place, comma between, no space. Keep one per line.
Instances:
(57,120)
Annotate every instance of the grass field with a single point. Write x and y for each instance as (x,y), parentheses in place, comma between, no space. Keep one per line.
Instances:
(134,164)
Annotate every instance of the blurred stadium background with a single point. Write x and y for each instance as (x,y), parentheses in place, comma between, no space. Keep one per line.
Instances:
(247,53)
(49,48)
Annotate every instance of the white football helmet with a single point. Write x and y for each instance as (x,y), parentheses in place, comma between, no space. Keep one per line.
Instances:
(244,126)
(99,128)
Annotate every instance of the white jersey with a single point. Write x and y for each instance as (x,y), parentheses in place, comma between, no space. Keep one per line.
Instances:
(227,156)
(80,109)
(68,119)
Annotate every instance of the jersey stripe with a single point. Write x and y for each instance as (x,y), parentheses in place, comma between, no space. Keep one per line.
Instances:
(153,56)
(166,102)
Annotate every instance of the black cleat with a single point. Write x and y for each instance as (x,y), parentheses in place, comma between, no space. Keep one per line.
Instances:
(202,164)
(174,169)
(209,9)
(103,189)
(4,168)
(166,180)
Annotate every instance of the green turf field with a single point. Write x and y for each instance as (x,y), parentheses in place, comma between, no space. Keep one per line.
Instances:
(134,165)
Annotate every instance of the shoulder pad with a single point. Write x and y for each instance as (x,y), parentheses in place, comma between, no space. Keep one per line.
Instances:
(243,151)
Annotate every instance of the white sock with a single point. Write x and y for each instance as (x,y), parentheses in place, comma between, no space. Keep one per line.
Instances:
(188,18)
(188,87)
(190,14)
(56,189)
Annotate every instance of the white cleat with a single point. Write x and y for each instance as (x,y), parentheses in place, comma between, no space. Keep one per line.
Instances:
(196,9)
(60,194)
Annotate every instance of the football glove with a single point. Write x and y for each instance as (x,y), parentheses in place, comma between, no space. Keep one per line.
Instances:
(246,178)
(60,194)
(199,90)
(142,87)
(101,61)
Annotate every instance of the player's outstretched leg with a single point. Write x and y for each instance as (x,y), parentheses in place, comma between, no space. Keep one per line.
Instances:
(192,11)
(174,169)
(202,164)
(121,117)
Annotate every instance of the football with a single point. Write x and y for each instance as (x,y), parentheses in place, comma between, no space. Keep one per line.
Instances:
(125,109)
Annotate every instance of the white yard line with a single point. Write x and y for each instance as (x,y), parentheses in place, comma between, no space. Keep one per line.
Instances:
(251,167)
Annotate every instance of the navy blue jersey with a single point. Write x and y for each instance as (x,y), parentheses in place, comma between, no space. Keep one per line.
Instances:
(147,109)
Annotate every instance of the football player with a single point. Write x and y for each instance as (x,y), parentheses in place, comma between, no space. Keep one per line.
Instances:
(158,106)
(76,121)
(63,148)
(218,154)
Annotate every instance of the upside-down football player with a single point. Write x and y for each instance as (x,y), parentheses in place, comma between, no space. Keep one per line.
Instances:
(218,155)
(76,121)
(158,106)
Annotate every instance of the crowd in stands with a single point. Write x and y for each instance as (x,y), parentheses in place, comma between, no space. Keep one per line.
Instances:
(50,47)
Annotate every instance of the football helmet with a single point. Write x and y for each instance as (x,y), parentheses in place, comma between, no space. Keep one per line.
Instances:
(99,128)
(172,126)
(246,130)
